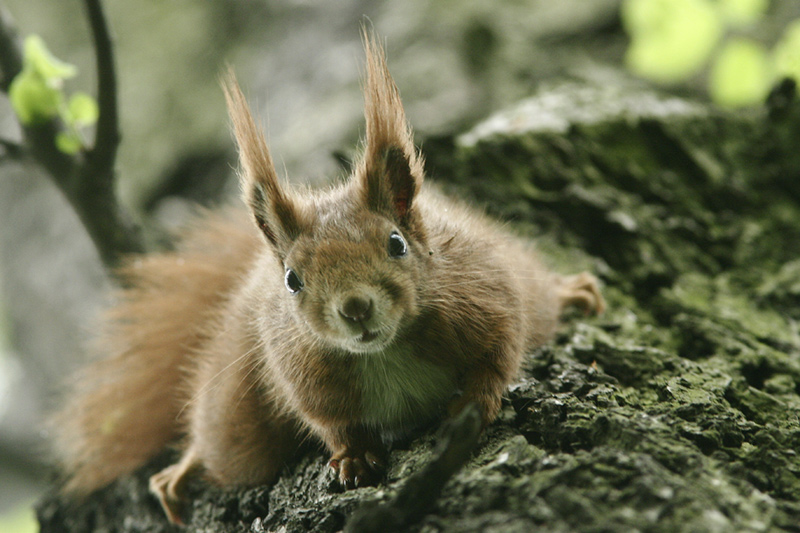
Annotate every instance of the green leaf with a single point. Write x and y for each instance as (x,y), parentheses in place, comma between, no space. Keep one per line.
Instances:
(743,12)
(670,39)
(741,74)
(20,519)
(787,52)
(68,142)
(82,110)
(33,100)
(39,59)
(36,93)
(642,17)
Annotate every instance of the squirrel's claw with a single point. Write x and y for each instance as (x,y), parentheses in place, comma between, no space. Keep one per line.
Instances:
(168,486)
(356,470)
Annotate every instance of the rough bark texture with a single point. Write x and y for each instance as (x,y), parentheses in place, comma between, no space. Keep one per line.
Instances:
(675,411)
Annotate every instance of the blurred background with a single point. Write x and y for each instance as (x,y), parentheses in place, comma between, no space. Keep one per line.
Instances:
(300,64)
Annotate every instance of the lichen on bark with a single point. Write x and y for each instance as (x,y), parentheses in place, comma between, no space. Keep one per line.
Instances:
(677,410)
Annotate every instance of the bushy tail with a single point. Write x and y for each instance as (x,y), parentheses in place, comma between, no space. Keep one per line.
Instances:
(123,409)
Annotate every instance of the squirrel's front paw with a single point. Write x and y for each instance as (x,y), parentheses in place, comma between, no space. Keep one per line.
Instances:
(357,468)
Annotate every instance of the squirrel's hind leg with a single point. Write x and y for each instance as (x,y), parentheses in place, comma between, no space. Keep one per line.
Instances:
(581,291)
(168,484)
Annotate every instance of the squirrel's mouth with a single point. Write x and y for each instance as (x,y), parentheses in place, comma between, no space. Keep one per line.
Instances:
(368,339)
(367,336)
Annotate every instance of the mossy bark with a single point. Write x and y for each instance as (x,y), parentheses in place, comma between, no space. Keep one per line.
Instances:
(677,410)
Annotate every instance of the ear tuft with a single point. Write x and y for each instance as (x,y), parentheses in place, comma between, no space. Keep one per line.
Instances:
(391,170)
(274,211)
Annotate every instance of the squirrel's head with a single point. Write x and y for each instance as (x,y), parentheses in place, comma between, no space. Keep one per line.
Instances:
(354,257)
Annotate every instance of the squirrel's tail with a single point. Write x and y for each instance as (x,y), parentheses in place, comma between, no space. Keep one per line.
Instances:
(123,409)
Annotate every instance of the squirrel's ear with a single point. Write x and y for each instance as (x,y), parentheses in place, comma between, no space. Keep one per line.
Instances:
(274,211)
(391,170)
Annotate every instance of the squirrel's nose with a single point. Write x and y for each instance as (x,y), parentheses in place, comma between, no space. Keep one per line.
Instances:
(356,309)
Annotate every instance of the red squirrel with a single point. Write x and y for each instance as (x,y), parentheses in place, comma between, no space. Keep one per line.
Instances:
(352,314)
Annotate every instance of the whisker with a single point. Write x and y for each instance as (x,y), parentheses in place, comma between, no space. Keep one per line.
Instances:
(253,383)
(210,384)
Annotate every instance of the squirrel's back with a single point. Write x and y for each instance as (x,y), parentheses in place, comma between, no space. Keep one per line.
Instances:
(125,407)
(459,229)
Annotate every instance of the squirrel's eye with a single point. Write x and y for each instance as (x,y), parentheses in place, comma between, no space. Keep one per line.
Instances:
(397,245)
(293,283)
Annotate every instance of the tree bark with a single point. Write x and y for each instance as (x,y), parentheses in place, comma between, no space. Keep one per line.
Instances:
(675,411)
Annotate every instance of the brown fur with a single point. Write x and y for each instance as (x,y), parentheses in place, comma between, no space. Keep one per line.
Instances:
(125,408)
(411,306)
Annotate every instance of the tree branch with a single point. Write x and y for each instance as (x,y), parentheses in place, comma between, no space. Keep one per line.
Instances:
(92,185)
(421,491)
(12,150)
(107,134)
(10,52)
(87,179)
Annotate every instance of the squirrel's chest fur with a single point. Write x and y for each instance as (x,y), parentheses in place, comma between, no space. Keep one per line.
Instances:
(399,388)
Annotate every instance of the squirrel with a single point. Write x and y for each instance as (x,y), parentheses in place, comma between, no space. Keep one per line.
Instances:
(352,314)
